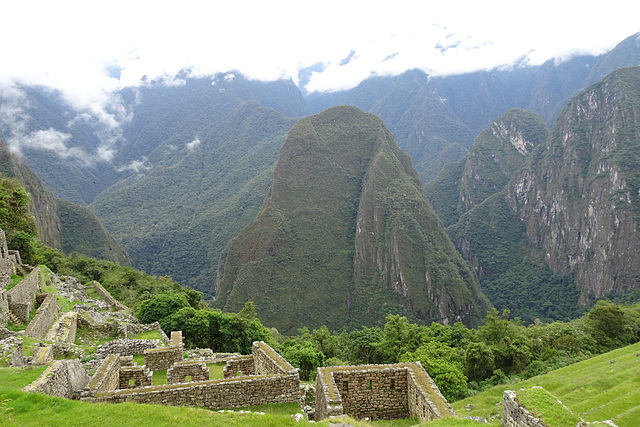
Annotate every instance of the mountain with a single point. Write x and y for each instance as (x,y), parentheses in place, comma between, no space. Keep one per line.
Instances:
(492,160)
(562,231)
(345,236)
(142,147)
(178,218)
(62,224)
(579,199)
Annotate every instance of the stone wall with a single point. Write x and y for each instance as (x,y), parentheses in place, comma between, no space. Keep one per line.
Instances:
(6,264)
(214,394)
(239,365)
(23,295)
(376,394)
(178,373)
(393,391)
(267,361)
(106,297)
(134,376)
(4,308)
(64,330)
(132,329)
(125,347)
(160,359)
(107,376)
(64,378)
(45,316)
(514,415)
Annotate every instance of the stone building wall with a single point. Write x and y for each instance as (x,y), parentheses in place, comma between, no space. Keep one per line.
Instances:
(6,263)
(377,394)
(64,378)
(23,295)
(214,394)
(267,361)
(4,308)
(239,365)
(64,330)
(134,376)
(392,391)
(125,347)
(178,373)
(107,376)
(515,415)
(45,316)
(160,359)
(106,297)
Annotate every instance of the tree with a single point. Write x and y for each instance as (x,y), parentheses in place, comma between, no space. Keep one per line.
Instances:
(304,356)
(443,365)
(14,211)
(160,306)
(16,220)
(479,361)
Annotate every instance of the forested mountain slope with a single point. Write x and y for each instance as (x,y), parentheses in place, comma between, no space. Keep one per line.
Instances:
(62,224)
(346,236)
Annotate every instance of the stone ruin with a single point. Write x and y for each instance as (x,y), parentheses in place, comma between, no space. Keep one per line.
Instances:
(400,390)
(264,377)
(118,380)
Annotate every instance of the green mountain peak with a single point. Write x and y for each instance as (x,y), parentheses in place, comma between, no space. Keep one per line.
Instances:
(346,236)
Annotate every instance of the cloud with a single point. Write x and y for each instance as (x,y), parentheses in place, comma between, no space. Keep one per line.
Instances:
(17,126)
(191,145)
(135,166)
(90,50)
(48,140)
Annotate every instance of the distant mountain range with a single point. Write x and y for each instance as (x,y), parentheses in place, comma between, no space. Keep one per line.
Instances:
(188,165)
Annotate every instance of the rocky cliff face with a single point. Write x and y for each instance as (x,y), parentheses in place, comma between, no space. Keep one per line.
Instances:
(492,161)
(563,229)
(346,236)
(579,199)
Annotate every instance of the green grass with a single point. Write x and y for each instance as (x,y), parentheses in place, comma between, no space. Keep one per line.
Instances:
(215,370)
(159,377)
(546,407)
(606,387)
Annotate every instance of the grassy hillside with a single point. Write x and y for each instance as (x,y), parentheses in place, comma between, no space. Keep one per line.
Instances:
(606,387)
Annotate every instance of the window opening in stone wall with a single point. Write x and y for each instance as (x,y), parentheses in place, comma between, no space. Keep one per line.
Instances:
(345,386)
(187,378)
(393,383)
(132,382)
(368,384)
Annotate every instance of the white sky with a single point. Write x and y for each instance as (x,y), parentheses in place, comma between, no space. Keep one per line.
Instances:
(69,45)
